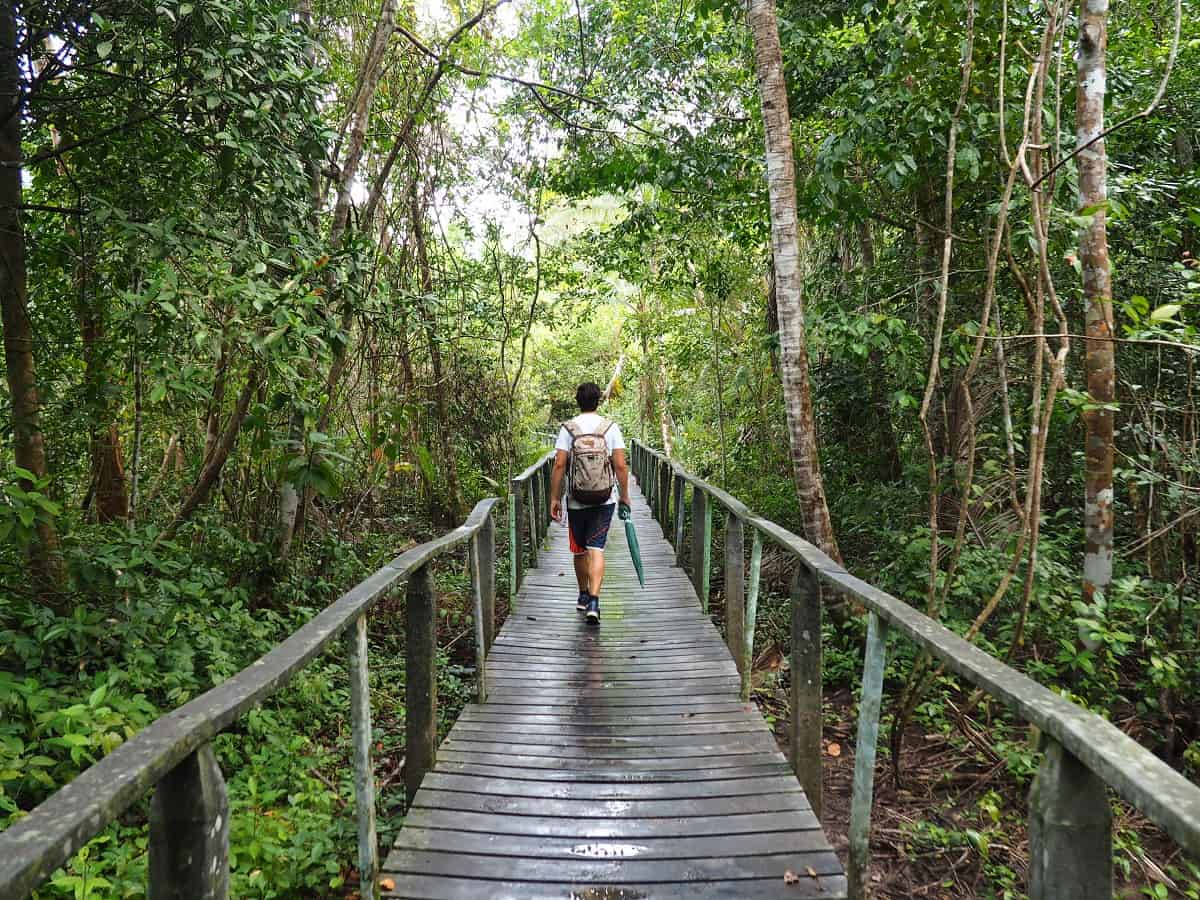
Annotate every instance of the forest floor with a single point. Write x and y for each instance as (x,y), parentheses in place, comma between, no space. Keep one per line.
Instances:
(955,826)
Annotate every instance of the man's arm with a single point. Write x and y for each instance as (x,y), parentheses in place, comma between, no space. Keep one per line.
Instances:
(556,480)
(621,467)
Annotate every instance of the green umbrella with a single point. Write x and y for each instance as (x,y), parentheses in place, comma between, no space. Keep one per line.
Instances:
(635,552)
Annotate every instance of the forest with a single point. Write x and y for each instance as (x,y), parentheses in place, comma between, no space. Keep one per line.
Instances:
(289,285)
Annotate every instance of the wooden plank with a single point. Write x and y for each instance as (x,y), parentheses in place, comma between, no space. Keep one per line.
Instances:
(484,844)
(649,769)
(445,888)
(591,790)
(599,828)
(611,871)
(684,753)
(496,769)
(427,798)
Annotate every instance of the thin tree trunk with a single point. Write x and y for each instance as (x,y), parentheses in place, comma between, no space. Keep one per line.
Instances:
(664,414)
(211,470)
(29,451)
(453,506)
(785,247)
(136,462)
(212,420)
(616,377)
(1100,362)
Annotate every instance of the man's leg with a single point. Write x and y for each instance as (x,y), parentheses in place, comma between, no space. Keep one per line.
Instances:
(583,569)
(595,561)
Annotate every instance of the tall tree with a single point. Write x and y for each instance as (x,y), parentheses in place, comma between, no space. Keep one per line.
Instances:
(785,252)
(1100,366)
(29,451)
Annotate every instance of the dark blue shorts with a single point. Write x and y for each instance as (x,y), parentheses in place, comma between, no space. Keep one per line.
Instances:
(588,527)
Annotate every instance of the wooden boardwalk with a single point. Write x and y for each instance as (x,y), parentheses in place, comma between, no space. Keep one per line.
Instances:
(611,763)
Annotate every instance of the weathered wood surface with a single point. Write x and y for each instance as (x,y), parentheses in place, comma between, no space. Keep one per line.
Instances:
(616,762)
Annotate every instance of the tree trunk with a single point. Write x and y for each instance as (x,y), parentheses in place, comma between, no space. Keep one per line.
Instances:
(211,469)
(785,248)
(29,451)
(112,500)
(1100,365)
(453,506)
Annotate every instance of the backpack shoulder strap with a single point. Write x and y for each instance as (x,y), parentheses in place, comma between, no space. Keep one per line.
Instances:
(602,430)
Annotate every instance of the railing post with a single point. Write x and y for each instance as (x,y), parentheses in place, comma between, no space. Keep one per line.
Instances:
(516,523)
(546,498)
(806,721)
(863,791)
(735,581)
(659,492)
(420,638)
(698,505)
(364,773)
(649,487)
(475,554)
(485,542)
(189,831)
(706,562)
(751,615)
(679,520)
(666,499)
(1070,830)
(533,526)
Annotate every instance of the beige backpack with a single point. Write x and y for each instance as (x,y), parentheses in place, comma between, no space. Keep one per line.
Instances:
(590,477)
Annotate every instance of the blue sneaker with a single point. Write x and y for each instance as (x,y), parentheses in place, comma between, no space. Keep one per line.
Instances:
(593,611)
(582,603)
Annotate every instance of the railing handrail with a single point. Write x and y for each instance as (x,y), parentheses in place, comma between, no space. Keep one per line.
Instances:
(534,467)
(33,847)
(1143,780)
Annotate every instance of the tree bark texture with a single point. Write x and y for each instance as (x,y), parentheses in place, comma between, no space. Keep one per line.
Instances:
(1100,365)
(785,248)
(29,450)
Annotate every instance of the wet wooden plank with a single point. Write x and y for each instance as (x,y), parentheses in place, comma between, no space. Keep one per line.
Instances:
(443,888)
(611,762)
(608,870)
(611,829)
(483,843)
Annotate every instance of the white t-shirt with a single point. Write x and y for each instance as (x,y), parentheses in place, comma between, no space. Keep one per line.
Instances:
(589,423)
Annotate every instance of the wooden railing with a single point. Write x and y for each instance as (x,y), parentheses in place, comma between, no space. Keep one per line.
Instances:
(528,518)
(1070,826)
(173,756)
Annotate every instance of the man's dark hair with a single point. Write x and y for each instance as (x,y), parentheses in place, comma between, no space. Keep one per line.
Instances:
(587,395)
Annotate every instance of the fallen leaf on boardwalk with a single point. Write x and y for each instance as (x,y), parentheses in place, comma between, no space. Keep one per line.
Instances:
(387,884)
(790,877)
(834,749)
(812,873)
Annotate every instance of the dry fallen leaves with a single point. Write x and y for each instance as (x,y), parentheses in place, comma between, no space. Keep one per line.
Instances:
(387,884)
(834,749)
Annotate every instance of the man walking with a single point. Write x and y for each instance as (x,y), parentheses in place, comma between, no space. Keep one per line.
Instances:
(591,453)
